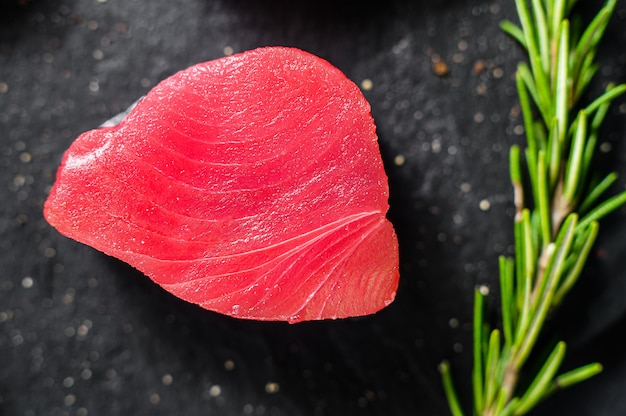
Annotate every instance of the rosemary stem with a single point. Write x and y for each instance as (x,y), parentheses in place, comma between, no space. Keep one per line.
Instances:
(551,242)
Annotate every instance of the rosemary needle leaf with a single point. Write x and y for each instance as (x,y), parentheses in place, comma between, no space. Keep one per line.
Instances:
(527,113)
(589,239)
(525,314)
(572,176)
(516,180)
(543,36)
(592,35)
(534,54)
(538,388)
(477,374)
(514,31)
(531,85)
(491,367)
(603,209)
(524,270)
(529,253)
(576,376)
(562,81)
(601,112)
(608,96)
(586,164)
(554,156)
(507,301)
(518,235)
(453,400)
(587,72)
(558,10)
(543,199)
(596,192)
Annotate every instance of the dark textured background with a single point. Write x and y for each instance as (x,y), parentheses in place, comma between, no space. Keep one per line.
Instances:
(83,334)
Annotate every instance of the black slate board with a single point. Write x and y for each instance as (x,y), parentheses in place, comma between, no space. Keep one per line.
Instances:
(83,334)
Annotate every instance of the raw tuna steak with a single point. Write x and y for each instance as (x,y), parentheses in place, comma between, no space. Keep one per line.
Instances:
(251,185)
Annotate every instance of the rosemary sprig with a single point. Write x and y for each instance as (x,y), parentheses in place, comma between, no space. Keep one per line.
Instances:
(556,220)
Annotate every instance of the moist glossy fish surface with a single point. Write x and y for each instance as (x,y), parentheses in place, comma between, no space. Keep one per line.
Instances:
(251,185)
